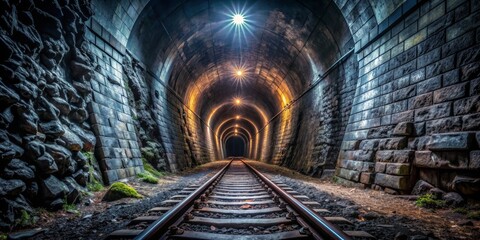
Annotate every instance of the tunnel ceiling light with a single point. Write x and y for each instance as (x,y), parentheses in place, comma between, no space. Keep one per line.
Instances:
(239,73)
(236,125)
(237,101)
(238,19)
(237,117)
(236,131)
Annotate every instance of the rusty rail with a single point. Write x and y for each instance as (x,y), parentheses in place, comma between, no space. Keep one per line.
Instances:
(161,225)
(320,224)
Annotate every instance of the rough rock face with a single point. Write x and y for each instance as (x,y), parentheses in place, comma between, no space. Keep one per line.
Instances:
(45,71)
(146,127)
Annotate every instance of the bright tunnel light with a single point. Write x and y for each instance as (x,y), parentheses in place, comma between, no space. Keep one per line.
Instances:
(238,19)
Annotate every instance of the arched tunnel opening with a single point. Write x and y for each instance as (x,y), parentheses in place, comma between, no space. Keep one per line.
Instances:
(377,95)
(235,147)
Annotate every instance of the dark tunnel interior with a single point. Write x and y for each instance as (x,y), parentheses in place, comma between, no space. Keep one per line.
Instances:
(381,95)
(235,147)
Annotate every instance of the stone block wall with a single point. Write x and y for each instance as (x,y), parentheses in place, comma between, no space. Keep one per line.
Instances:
(415,113)
(182,132)
(110,113)
(134,113)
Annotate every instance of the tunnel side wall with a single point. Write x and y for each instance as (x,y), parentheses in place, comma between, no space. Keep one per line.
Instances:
(416,110)
(307,135)
(136,116)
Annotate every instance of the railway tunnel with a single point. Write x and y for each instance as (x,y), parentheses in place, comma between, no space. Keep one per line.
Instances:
(379,95)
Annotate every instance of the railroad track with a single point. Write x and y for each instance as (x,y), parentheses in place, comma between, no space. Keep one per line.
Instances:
(238,202)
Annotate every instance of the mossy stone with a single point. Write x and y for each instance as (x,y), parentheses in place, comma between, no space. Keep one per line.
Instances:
(120,190)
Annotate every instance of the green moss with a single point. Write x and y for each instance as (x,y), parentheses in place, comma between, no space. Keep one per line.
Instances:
(335,179)
(150,169)
(474,215)
(93,184)
(3,236)
(25,219)
(147,177)
(69,207)
(148,153)
(429,201)
(120,190)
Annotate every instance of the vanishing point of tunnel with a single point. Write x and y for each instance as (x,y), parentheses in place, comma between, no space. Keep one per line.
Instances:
(379,99)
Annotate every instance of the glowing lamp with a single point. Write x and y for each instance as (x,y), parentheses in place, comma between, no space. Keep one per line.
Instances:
(238,19)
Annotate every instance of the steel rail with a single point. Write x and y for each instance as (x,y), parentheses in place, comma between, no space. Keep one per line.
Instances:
(161,225)
(324,227)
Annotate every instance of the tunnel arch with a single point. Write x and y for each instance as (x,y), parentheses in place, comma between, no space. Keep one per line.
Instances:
(193,51)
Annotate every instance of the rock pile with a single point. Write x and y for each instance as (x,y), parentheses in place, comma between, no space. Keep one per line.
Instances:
(146,126)
(45,72)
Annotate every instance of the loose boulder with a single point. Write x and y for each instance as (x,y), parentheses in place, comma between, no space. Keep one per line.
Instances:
(120,190)
(422,187)
(453,199)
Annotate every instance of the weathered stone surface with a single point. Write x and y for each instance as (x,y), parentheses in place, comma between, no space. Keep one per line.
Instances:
(51,188)
(369,145)
(453,199)
(406,116)
(46,164)
(81,177)
(437,193)
(357,165)
(398,169)
(450,93)
(349,174)
(450,141)
(393,143)
(467,105)
(420,101)
(88,139)
(8,151)
(403,129)
(403,156)
(72,141)
(391,181)
(26,118)
(380,167)
(11,188)
(362,155)
(421,187)
(444,160)
(380,132)
(62,105)
(474,160)
(419,143)
(17,169)
(62,157)
(73,194)
(450,124)
(53,129)
(471,122)
(433,112)
(366,177)
(384,156)
(351,145)
(466,185)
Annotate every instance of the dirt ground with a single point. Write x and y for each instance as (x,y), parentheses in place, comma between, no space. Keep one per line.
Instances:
(100,218)
(382,215)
